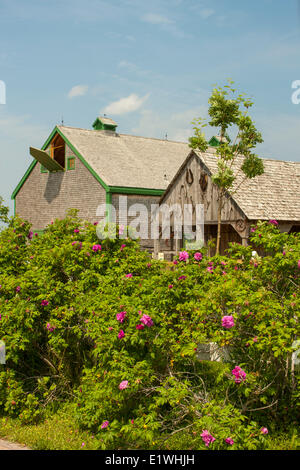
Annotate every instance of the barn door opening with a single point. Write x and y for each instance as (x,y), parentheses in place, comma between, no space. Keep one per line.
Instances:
(58,150)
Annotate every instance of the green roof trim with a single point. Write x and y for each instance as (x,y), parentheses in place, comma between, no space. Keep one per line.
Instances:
(214,142)
(108,189)
(104,185)
(32,165)
(29,170)
(141,191)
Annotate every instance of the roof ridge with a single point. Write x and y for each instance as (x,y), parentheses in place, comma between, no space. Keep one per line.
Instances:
(241,156)
(125,135)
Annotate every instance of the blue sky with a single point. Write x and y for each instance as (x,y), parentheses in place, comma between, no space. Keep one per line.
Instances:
(150,65)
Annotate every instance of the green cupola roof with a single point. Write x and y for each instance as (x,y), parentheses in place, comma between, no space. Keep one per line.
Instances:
(103,123)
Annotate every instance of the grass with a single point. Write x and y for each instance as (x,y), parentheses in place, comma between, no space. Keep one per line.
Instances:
(57,432)
(60,432)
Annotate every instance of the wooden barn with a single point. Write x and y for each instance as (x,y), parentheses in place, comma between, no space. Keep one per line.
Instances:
(273,195)
(82,168)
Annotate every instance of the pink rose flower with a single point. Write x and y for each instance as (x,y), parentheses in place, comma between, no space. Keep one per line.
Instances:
(239,374)
(273,222)
(171,286)
(121,334)
(129,275)
(183,256)
(44,303)
(229,441)
(140,327)
(122,247)
(207,437)
(299,264)
(228,322)
(104,424)
(264,431)
(147,320)
(181,278)
(50,328)
(198,256)
(96,248)
(123,385)
(76,230)
(121,316)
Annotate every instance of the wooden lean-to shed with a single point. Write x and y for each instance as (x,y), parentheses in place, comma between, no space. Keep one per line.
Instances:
(273,195)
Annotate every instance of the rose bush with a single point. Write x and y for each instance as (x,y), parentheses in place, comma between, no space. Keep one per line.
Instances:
(105,327)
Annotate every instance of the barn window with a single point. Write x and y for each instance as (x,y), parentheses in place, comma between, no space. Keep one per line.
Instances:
(57,150)
(71,163)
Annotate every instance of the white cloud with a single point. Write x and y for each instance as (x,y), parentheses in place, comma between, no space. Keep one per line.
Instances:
(206,13)
(153,18)
(78,90)
(126,105)
(177,126)
(165,23)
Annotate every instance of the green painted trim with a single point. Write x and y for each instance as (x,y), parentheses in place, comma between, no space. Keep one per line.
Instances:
(98,125)
(46,144)
(108,189)
(68,163)
(43,169)
(28,171)
(32,165)
(108,200)
(141,191)
(83,160)
(214,142)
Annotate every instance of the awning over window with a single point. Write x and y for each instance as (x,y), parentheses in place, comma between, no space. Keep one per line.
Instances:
(43,157)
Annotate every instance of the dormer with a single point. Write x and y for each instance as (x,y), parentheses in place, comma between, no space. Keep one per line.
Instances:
(103,123)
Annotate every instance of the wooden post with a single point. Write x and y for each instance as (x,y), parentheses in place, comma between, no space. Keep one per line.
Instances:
(245,241)
(156,248)
(177,244)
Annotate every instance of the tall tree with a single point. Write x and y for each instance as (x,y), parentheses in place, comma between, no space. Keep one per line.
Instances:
(229,112)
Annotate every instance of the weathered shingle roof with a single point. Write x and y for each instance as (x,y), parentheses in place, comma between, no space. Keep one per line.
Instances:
(128,161)
(273,195)
(141,162)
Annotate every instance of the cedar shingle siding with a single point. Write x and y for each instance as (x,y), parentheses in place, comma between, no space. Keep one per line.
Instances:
(47,196)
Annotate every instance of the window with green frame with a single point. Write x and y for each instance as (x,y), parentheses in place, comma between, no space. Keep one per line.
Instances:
(71,163)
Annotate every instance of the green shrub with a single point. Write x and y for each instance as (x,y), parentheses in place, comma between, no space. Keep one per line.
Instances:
(117,335)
